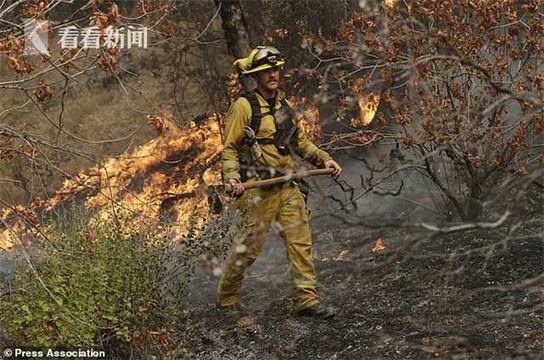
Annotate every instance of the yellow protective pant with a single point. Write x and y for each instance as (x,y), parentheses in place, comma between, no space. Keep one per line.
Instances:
(286,205)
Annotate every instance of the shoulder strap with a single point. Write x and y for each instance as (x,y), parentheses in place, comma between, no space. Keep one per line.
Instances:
(290,126)
(284,133)
(284,103)
(255,110)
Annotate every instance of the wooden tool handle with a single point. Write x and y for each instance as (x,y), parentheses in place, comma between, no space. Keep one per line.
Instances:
(281,179)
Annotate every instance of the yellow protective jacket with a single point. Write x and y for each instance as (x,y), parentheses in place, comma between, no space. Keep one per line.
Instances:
(235,148)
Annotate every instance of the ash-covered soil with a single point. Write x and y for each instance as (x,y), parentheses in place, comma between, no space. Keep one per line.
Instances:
(467,295)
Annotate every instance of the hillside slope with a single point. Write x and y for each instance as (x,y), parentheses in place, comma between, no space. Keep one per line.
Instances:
(433,304)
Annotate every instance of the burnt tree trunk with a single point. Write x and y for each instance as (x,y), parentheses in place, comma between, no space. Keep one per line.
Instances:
(257,24)
(236,32)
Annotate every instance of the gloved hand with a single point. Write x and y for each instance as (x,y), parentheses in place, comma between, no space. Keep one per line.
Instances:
(333,165)
(237,189)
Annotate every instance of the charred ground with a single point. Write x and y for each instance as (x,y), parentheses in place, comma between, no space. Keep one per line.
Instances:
(465,295)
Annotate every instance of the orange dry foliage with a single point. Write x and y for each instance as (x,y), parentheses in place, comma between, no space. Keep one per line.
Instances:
(43,91)
(463,76)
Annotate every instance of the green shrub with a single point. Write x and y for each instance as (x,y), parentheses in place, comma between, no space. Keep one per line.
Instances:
(110,285)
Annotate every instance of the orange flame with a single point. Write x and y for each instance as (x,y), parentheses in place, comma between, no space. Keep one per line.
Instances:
(366,100)
(368,105)
(389,3)
(379,246)
(166,175)
(309,117)
(341,255)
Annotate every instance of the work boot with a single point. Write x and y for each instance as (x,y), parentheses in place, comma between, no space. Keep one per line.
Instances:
(231,311)
(238,316)
(317,311)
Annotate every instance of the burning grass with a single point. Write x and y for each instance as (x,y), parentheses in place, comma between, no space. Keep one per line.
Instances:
(171,171)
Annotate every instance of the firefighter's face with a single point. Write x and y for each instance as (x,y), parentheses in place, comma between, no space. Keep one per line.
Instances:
(268,79)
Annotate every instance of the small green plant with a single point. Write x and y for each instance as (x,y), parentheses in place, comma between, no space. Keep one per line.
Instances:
(107,284)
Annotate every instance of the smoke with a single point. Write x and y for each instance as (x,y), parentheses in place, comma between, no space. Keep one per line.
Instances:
(378,185)
(6,267)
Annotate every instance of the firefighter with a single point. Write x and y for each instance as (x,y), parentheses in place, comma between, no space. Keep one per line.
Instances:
(261,138)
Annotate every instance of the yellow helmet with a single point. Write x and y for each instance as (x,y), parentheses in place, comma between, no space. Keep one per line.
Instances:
(260,58)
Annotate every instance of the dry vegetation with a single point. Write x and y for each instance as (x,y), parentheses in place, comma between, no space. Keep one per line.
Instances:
(431,243)
(92,112)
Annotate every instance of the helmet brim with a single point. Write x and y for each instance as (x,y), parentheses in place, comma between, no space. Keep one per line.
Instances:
(263,67)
